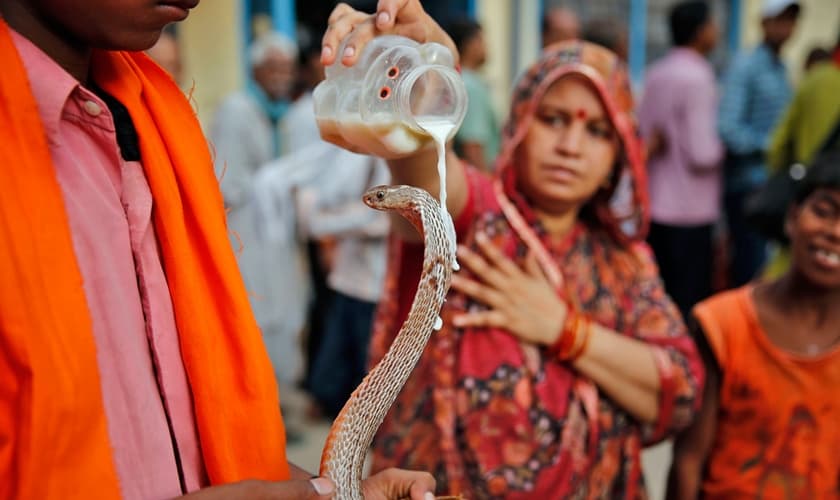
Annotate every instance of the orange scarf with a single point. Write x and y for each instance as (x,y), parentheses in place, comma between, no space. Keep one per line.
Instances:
(53,435)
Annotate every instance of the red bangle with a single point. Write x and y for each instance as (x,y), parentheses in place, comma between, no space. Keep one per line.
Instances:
(584,343)
(568,335)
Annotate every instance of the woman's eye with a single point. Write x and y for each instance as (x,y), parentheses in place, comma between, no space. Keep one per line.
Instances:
(554,120)
(600,131)
(823,210)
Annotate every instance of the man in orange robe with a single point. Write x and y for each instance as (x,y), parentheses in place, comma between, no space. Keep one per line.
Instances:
(131,365)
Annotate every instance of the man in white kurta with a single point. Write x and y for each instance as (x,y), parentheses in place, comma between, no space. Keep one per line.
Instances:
(245,137)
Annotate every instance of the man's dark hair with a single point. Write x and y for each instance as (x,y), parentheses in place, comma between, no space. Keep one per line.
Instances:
(605,31)
(824,173)
(686,21)
(462,31)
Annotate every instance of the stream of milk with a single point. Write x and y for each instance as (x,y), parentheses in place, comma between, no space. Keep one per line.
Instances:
(440,129)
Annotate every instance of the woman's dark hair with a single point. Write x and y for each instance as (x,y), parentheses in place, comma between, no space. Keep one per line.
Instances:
(686,21)
(462,31)
(824,173)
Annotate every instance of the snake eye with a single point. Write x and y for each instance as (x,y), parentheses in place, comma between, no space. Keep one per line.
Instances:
(384,92)
(393,72)
(380,195)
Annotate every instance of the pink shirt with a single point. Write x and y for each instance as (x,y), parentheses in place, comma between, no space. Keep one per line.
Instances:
(145,391)
(680,99)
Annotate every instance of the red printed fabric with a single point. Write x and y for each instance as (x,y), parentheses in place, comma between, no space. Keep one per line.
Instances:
(491,418)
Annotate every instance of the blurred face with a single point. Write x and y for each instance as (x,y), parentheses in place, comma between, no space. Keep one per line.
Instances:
(276,74)
(561,24)
(777,30)
(108,24)
(476,50)
(570,148)
(708,36)
(814,230)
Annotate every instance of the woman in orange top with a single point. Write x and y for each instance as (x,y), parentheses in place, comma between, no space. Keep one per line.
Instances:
(768,427)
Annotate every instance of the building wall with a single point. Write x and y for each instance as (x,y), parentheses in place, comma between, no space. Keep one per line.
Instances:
(211,48)
(494,17)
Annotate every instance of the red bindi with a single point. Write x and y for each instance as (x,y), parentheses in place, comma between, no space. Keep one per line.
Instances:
(581,114)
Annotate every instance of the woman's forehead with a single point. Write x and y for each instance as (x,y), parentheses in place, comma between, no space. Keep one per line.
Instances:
(573,91)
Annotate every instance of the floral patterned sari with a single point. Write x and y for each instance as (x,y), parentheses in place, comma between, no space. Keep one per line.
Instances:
(492,417)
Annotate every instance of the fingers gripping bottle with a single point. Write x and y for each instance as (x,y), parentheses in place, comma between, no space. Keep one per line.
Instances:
(387,103)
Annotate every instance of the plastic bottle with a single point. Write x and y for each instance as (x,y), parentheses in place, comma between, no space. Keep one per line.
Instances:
(378,106)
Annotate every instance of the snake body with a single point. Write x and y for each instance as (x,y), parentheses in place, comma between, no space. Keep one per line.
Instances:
(353,430)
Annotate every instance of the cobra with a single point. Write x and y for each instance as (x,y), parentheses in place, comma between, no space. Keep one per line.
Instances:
(353,430)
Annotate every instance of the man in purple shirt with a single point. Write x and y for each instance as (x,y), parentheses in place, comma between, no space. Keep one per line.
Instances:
(678,113)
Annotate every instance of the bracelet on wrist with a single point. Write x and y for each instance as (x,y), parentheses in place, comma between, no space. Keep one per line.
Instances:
(567,340)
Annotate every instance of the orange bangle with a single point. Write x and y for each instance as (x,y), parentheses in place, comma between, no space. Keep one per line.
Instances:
(568,336)
(584,344)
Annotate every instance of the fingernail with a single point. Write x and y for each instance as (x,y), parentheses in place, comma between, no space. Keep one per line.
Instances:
(458,321)
(480,237)
(326,52)
(322,485)
(429,496)
(461,250)
(349,51)
(383,18)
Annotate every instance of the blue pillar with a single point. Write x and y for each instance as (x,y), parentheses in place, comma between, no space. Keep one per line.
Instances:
(734,29)
(283,17)
(638,40)
(472,9)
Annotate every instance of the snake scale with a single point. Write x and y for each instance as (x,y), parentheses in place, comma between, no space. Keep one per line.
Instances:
(353,430)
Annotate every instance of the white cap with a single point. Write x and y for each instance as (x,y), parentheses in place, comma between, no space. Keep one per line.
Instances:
(773,8)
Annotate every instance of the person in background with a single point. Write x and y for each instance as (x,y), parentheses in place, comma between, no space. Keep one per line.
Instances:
(132,366)
(300,133)
(559,24)
(809,119)
(245,135)
(477,141)
(816,55)
(331,207)
(167,52)
(299,128)
(807,123)
(610,33)
(768,425)
(756,91)
(678,109)
(560,355)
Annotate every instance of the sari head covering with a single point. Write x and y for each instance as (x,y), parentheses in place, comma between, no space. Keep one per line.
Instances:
(621,209)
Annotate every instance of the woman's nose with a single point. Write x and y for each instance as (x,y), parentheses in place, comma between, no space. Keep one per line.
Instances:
(569,139)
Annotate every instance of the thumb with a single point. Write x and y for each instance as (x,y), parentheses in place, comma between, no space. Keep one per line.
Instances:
(319,487)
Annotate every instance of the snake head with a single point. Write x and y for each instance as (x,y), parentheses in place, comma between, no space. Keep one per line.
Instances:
(391,197)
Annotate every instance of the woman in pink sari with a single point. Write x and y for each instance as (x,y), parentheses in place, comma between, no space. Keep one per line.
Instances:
(561,355)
